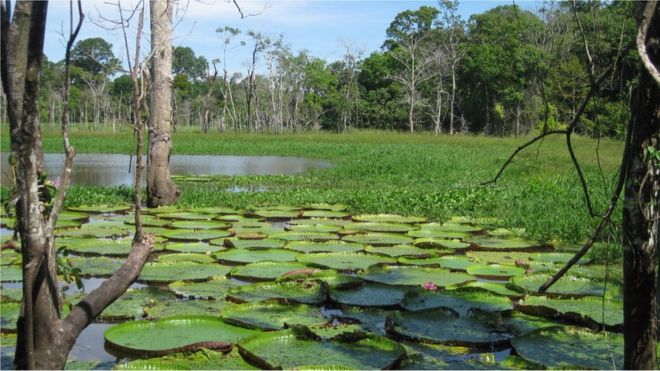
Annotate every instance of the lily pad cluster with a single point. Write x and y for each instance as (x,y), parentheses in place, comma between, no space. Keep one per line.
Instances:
(314,287)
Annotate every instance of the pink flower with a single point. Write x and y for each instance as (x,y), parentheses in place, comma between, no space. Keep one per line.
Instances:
(430,286)
(57,182)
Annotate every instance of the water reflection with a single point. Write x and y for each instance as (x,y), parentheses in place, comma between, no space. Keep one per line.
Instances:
(113,170)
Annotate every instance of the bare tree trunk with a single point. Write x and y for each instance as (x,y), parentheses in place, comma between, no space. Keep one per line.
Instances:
(453,99)
(411,111)
(160,188)
(640,213)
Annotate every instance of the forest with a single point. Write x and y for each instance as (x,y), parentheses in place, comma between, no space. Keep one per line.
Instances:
(506,71)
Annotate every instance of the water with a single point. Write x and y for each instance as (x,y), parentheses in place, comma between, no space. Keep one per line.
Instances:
(113,170)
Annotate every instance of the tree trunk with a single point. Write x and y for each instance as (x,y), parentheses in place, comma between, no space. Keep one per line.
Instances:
(451,103)
(640,215)
(160,188)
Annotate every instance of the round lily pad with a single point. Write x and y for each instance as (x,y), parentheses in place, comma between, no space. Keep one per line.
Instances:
(199,224)
(203,359)
(215,288)
(250,235)
(305,292)
(10,257)
(590,311)
(571,348)
(379,239)
(504,244)
(149,221)
(441,243)
(318,221)
(11,294)
(567,286)
(236,218)
(261,244)
(496,288)
(499,257)
(444,327)
(324,214)
(95,232)
(264,271)
(184,215)
(173,334)
(184,271)
(314,228)
(455,262)
(325,206)
(432,261)
(437,234)
(73,215)
(370,319)
(507,232)
(400,250)
(557,257)
(380,227)
(332,278)
(185,257)
(67,224)
(275,214)
(343,261)
(93,246)
(96,266)
(179,307)
(215,210)
(192,247)
(244,256)
(9,313)
(131,304)
(305,236)
(388,218)
(414,276)
(329,246)
(272,316)
(288,350)
(101,209)
(370,295)
(461,301)
(188,235)
(496,271)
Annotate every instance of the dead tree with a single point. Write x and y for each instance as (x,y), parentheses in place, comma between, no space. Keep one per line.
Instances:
(44,337)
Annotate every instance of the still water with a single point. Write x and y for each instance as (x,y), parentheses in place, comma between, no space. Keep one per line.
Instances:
(113,170)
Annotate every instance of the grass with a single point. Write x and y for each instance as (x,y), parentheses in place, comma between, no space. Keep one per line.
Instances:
(385,172)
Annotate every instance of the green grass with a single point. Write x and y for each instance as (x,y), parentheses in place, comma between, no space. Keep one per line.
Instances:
(384,172)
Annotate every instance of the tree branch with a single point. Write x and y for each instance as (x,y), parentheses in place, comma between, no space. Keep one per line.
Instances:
(649,11)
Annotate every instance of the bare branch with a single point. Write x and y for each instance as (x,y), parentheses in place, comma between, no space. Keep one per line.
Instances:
(585,43)
(649,11)
(244,15)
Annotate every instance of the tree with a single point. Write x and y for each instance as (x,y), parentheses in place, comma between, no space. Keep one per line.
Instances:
(44,337)
(185,61)
(95,56)
(160,188)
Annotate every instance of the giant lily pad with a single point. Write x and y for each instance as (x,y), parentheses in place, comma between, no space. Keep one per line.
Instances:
(557,257)
(272,316)
(100,266)
(432,261)
(184,215)
(318,221)
(397,251)
(188,235)
(388,218)
(262,244)
(149,221)
(332,278)
(520,324)
(380,227)
(504,244)
(203,359)
(131,304)
(371,319)
(95,232)
(93,246)
(451,227)
(571,348)
(276,214)
(587,310)
(460,301)
(314,228)
(500,257)
(455,262)
(9,313)
(170,308)
(414,276)
(343,261)
(244,256)
(287,350)
(10,257)
(434,234)
(442,243)
(199,224)
(265,271)
(215,288)
(101,209)
(174,334)
(73,215)
(370,295)
(305,236)
(329,246)
(379,239)
(11,273)
(185,257)
(566,286)
(215,210)
(307,292)
(192,247)
(496,288)
(444,327)
(185,271)
(496,271)
(324,214)
(11,294)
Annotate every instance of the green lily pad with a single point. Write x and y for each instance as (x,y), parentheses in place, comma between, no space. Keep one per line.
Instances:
(388,218)
(93,246)
(414,276)
(335,330)
(67,224)
(101,209)
(318,247)
(250,236)
(305,236)
(441,243)
(173,334)
(215,288)
(95,232)
(504,244)
(397,251)
(587,310)
(264,271)
(203,359)
(371,319)
(236,218)
(379,239)
(188,235)
(263,244)
(380,227)
(496,257)
(461,301)
(184,271)
(272,316)
(131,304)
(170,308)
(318,221)
(451,227)
(571,348)
(105,223)
(507,232)
(184,215)
(332,278)
(199,224)
(10,257)
(73,215)
(455,262)
(275,214)
(343,261)
(566,286)
(314,228)
(370,295)
(494,270)
(215,210)
(432,261)
(444,327)
(96,266)
(185,257)
(244,256)
(306,292)
(520,324)
(496,288)
(435,234)
(9,313)
(287,350)
(11,294)
(557,257)
(7,340)
(149,221)
(193,247)
(325,206)
(324,214)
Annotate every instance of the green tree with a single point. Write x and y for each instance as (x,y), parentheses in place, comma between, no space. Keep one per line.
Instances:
(185,61)
(95,56)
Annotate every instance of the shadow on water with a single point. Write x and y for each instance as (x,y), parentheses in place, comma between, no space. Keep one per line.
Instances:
(113,170)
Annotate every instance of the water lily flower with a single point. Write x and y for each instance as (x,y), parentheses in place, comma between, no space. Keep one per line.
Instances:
(57,182)
(430,286)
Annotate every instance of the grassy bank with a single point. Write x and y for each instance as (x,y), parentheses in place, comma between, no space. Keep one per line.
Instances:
(380,172)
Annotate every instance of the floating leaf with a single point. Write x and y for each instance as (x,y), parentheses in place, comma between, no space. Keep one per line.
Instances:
(497,257)
(185,307)
(264,271)
(455,262)
(400,250)
(193,247)
(272,316)
(324,214)
(557,257)
(184,215)
(370,295)
(131,304)
(93,246)
(379,239)
(306,236)
(371,319)
(414,276)
(496,288)
(244,256)
(315,228)
(101,209)
(343,261)
(185,271)
(216,210)
(306,292)
(381,227)
(203,359)
(329,246)
(11,294)
(441,243)
(9,313)
(568,285)
(96,266)
(262,244)
(502,244)
(95,232)
(496,271)
(461,301)
(199,224)
(332,278)
(434,234)
(185,257)
(388,218)
(215,288)
(188,235)
(432,261)
(589,311)
(451,227)
(276,214)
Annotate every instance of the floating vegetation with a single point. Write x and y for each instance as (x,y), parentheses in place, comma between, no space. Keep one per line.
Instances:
(414,276)
(343,260)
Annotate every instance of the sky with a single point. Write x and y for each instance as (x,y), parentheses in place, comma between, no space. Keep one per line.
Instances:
(322,27)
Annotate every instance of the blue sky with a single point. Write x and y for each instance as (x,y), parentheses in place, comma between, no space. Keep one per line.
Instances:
(320,26)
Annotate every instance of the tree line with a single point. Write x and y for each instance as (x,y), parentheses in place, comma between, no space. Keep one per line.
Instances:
(506,71)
